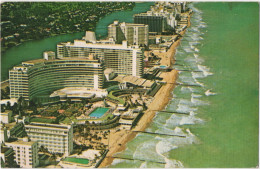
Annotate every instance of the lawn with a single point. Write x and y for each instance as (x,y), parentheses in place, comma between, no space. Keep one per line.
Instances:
(42,120)
(77,160)
(121,101)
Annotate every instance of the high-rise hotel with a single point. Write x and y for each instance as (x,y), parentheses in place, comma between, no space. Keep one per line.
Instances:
(78,65)
(42,77)
(122,58)
(135,34)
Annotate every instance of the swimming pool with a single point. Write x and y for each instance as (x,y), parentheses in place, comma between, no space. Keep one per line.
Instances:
(98,112)
(163,66)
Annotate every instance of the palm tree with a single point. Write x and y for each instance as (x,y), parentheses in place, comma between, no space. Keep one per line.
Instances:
(54,157)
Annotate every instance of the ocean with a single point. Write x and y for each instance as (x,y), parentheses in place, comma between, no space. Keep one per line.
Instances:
(219,58)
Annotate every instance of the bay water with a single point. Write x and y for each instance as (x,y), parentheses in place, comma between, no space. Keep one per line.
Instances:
(33,49)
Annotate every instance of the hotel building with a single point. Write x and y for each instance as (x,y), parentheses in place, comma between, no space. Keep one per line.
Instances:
(26,153)
(156,23)
(56,138)
(135,34)
(123,59)
(42,77)
(162,17)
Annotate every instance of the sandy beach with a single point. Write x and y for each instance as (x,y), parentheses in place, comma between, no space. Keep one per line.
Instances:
(119,139)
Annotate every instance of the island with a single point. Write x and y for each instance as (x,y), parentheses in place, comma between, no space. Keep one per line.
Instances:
(79,106)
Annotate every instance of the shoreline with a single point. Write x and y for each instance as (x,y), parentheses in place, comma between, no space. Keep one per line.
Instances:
(160,101)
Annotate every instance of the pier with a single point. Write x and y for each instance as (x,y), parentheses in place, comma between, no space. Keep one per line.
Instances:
(174,135)
(189,70)
(183,84)
(172,112)
(125,158)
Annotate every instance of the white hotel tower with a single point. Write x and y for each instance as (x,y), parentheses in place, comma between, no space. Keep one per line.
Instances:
(135,34)
(123,59)
(56,138)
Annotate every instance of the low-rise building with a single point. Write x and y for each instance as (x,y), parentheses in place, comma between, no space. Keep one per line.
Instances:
(129,119)
(26,152)
(3,133)
(7,155)
(6,117)
(136,81)
(15,129)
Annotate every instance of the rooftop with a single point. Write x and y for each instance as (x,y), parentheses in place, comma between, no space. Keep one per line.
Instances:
(20,142)
(83,43)
(134,80)
(34,61)
(5,149)
(46,125)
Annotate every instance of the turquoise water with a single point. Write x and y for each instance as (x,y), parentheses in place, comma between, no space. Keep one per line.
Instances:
(221,52)
(98,112)
(33,49)
(162,66)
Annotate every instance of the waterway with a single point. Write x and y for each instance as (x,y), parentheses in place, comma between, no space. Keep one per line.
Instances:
(222,126)
(33,49)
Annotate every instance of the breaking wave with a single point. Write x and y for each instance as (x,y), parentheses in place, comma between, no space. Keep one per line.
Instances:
(181,112)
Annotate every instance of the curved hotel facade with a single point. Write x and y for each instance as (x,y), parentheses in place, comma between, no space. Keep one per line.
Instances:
(78,65)
(42,77)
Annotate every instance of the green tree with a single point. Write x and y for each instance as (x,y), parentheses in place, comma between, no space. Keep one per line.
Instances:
(54,158)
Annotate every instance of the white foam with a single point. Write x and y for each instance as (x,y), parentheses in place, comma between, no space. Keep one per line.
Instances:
(173,164)
(143,165)
(199,83)
(163,147)
(183,108)
(195,95)
(197,75)
(198,102)
(191,119)
(196,50)
(209,93)
(205,70)
(117,161)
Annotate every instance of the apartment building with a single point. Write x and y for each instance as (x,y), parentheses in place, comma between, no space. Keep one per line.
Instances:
(25,152)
